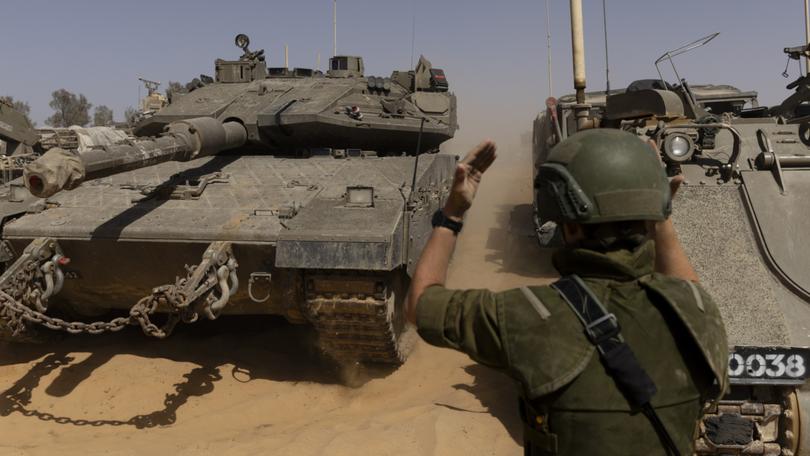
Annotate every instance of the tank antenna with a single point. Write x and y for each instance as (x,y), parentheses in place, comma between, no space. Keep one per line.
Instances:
(334,28)
(607,64)
(318,62)
(806,35)
(578,50)
(548,50)
(413,35)
(418,150)
(286,57)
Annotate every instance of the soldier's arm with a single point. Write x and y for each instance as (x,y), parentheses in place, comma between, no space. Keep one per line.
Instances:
(465,320)
(670,258)
(432,266)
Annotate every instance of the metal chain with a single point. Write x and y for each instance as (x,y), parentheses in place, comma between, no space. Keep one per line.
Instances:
(161,296)
(16,315)
(30,305)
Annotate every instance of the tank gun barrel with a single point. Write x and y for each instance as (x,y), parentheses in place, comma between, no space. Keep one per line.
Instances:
(183,140)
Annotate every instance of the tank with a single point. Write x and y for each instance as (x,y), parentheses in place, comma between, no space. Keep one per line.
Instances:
(17,141)
(259,191)
(21,143)
(741,215)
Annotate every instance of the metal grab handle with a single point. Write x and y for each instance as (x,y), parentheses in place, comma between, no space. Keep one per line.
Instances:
(254,276)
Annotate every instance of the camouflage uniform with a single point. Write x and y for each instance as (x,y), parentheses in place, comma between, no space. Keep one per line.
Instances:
(571,405)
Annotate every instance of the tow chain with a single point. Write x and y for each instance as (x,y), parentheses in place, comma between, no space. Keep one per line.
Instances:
(36,276)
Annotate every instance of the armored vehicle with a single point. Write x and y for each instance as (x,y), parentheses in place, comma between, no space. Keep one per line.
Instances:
(741,215)
(21,142)
(260,191)
(17,141)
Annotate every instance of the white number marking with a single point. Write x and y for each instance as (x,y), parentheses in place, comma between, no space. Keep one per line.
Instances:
(795,366)
(736,365)
(771,365)
(755,365)
(775,360)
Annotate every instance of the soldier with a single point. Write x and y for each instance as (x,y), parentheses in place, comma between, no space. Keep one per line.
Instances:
(619,355)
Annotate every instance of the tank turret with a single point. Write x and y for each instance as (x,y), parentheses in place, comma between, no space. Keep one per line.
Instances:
(293,111)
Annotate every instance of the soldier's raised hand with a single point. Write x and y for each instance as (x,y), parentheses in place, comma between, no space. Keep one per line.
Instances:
(467,178)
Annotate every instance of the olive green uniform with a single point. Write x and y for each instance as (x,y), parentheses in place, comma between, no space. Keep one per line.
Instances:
(673,326)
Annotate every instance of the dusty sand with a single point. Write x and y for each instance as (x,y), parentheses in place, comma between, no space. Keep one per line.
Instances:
(257,386)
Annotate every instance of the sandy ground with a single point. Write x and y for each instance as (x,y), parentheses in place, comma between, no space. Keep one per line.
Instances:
(258,385)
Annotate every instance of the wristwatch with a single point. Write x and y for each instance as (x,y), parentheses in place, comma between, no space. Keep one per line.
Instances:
(439,219)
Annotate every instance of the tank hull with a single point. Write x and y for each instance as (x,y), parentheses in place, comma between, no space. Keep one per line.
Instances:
(303,247)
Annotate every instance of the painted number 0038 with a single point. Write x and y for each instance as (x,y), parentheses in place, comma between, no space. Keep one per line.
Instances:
(770,365)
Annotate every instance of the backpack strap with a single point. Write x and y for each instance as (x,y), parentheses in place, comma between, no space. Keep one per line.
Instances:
(603,331)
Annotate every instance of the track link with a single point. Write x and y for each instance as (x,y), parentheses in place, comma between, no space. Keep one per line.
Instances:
(772,416)
(357,318)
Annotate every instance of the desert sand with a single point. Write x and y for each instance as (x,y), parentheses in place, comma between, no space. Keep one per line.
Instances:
(259,386)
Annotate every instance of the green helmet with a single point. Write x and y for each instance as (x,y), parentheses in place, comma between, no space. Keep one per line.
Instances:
(602,175)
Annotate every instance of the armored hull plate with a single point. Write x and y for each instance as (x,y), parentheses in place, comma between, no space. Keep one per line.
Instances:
(714,229)
(783,220)
(247,199)
(134,231)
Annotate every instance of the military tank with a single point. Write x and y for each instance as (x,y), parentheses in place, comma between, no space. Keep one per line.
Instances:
(17,141)
(260,191)
(740,214)
(21,142)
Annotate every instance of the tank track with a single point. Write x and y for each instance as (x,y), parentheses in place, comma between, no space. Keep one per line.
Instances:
(773,412)
(358,318)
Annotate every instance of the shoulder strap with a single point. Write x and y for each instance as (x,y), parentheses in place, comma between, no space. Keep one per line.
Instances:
(604,332)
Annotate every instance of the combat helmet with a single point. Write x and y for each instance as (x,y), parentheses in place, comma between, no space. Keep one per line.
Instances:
(600,176)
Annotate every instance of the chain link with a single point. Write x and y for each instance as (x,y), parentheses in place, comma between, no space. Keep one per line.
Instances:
(29,305)
(16,315)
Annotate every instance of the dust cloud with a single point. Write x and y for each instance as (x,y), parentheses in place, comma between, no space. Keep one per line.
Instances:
(258,386)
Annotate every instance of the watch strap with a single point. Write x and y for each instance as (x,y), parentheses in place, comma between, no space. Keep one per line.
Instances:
(439,219)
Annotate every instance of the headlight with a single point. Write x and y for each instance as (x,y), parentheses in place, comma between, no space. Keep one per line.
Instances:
(678,147)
